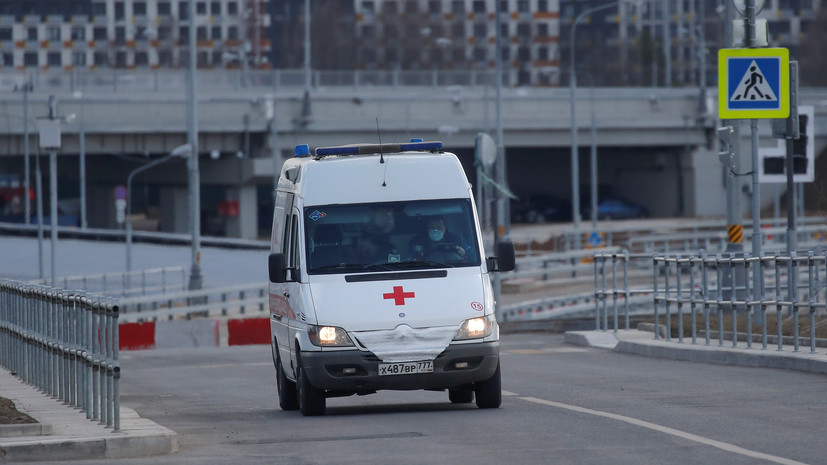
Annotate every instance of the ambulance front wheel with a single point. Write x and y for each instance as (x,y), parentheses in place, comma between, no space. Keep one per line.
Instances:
(288,397)
(311,400)
(489,392)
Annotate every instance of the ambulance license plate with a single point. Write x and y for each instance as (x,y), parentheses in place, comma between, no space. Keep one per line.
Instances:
(406,368)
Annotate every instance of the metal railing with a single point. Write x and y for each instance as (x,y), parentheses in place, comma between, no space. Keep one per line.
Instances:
(220,301)
(65,343)
(127,283)
(727,297)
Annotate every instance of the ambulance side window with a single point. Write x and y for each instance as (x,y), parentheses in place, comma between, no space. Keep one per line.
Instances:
(292,254)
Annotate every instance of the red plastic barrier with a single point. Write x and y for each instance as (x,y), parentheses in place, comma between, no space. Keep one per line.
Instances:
(248,331)
(136,336)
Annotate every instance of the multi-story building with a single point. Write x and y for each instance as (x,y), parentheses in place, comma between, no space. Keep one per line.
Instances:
(460,34)
(131,33)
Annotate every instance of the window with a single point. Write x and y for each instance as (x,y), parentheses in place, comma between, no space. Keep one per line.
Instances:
(542,5)
(542,30)
(524,30)
(53,33)
(78,33)
(120,60)
(215,8)
(53,59)
(523,6)
(120,35)
(140,33)
(164,9)
(524,54)
(232,32)
(504,5)
(480,54)
(79,58)
(31,34)
(480,30)
(183,11)
(457,7)
(411,7)
(506,53)
(165,58)
(99,33)
(31,59)
(542,54)
(368,31)
(216,57)
(119,11)
(458,54)
(435,6)
(458,30)
(201,33)
(5,33)
(215,33)
(101,59)
(479,6)
(141,59)
(8,59)
(139,8)
(368,6)
(232,8)
(390,8)
(184,34)
(200,8)
(164,32)
(397,232)
(99,9)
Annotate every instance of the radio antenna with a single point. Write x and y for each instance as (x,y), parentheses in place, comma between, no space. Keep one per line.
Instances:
(379,135)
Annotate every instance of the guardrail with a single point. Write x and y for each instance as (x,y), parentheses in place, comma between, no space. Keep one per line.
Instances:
(132,283)
(65,343)
(715,288)
(219,301)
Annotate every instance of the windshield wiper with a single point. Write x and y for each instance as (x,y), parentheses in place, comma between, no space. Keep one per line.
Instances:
(348,267)
(412,264)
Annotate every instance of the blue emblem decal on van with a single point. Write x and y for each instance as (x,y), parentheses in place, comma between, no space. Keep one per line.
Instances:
(317,215)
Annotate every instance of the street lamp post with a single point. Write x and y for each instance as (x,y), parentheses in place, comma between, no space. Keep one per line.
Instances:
(196,279)
(575,165)
(180,151)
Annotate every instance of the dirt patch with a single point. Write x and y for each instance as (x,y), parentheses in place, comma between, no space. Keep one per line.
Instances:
(9,415)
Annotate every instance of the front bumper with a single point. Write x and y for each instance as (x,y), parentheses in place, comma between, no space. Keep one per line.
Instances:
(326,370)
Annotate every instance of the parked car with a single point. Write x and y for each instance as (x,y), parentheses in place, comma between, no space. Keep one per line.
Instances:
(616,208)
(540,208)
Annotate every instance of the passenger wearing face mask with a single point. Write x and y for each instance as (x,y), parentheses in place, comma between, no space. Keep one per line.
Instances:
(437,243)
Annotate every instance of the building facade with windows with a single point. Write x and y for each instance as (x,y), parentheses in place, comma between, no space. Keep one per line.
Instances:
(68,34)
(460,34)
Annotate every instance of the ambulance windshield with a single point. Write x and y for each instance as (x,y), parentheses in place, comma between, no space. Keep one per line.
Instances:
(390,236)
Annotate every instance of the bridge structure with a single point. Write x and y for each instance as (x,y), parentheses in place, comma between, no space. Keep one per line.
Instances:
(656,146)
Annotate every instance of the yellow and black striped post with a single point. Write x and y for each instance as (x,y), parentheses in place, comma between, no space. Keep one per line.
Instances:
(735,233)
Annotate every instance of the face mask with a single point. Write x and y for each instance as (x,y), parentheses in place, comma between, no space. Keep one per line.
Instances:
(435,234)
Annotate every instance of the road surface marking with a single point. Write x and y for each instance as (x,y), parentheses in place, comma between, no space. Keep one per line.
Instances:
(671,431)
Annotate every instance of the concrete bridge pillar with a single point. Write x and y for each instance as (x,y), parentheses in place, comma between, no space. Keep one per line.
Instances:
(244,225)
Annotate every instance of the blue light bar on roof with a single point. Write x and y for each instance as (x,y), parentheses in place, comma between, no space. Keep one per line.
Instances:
(302,150)
(364,149)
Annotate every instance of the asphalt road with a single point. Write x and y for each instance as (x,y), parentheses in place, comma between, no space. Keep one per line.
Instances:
(563,404)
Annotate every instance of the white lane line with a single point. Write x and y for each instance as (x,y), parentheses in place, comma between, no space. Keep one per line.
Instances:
(509,393)
(671,431)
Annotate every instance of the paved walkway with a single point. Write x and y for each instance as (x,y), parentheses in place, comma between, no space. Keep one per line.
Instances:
(66,434)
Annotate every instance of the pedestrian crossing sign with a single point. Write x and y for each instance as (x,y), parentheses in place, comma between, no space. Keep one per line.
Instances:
(753,83)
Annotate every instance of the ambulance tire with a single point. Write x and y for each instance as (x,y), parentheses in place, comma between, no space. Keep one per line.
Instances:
(489,392)
(460,396)
(288,397)
(311,400)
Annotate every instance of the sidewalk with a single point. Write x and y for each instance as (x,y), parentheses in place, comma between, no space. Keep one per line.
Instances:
(66,434)
(643,343)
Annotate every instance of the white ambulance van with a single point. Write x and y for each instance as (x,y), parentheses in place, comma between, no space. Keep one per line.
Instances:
(378,278)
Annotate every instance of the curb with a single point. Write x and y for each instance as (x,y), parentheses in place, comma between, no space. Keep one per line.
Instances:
(643,343)
(26,429)
(64,433)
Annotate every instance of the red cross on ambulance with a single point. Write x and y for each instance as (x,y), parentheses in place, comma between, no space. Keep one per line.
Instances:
(398,295)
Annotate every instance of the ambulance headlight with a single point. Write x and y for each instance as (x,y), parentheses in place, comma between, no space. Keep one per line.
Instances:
(476,328)
(329,336)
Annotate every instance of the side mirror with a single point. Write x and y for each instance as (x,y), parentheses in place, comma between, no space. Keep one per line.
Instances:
(505,260)
(276,267)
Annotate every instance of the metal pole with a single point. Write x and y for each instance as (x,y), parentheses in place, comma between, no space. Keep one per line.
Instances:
(274,140)
(196,280)
(499,166)
(38,179)
(593,164)
(792,233)
(53,212)
(26,168)
(575,164)
(307,70)
(756,186)
(82,141)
